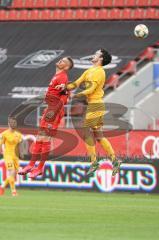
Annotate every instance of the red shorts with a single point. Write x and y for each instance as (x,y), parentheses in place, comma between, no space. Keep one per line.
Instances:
(50,127)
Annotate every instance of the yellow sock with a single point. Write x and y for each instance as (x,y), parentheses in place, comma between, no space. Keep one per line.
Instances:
(107,147)
(6,182)
(91,148)
(12,183)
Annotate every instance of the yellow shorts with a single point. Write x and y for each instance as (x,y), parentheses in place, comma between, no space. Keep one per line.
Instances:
(94,117)
(11,163)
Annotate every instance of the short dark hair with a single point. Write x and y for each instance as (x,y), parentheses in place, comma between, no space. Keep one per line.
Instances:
(106,57)
(12,118)
(71,62)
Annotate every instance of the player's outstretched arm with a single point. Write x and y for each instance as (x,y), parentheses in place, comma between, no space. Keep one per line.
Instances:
(88,91)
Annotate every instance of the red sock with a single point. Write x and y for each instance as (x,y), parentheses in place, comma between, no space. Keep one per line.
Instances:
(35,150)
(33,160)
(46,146)
(44,158)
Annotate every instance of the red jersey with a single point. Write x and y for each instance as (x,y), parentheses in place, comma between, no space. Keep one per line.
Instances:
(59,78)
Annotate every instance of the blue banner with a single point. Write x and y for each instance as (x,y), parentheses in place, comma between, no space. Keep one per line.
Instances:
(156,75)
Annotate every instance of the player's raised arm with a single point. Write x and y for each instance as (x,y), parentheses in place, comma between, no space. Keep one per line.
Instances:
(88,91)
(76,83)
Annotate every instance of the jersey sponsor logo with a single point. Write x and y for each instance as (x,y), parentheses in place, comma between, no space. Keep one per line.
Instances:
(39,59)
(150,147)
(85,62)
(3,55)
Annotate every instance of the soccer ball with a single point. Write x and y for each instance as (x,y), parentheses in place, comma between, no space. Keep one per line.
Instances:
(141,31)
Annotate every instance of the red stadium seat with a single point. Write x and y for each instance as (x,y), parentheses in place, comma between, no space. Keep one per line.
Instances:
(3,15)
(151,13)
(51,3)
(40,4)
(85,3)
(115,13)
(107,3)
(29,3)
(113,81)
(74,3)
(58,14)
(46,14)
(91,14)
(119,3)
(143,3)
(13,15)
(96,3)
(155,3)
(69,14)
(103,14)
(62,3)
(130,67)
(17,4)
(24,14)
(126,13)
(139,13)
(80,14)
(34,14)
(148,53)
(130,3)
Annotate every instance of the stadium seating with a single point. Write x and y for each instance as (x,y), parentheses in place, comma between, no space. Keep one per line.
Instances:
(113,81)
(3,15)
(50,3)
(126,14)
(103,14)
(118,3)
(79,14)
(81,10)
(46,14)
(130,3)
(148,54)
(139,13)
(115,13)
(40,4)
(29,4)
(34,14)
(17,4)
(143,3)
(91,14)
(107,3)
(129,68)
(23,15)
(83,3)
(74,4)
(155,3)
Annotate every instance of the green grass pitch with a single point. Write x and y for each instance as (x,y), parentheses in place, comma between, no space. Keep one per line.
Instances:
(73,215)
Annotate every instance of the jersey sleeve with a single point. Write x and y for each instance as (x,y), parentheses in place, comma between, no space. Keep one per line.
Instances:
(2,138)
(88,91)
(76,83)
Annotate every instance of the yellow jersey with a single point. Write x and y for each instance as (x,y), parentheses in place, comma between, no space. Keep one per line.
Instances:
(94,80)
(10,139)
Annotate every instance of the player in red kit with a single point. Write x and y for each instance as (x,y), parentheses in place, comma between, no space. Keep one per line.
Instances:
(52,115)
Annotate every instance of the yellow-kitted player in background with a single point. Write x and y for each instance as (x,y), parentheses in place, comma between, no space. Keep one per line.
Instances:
(10,140)
(94,80)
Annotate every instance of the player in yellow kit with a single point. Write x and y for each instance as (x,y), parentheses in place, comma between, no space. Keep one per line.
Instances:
(94,80)
(10,140)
